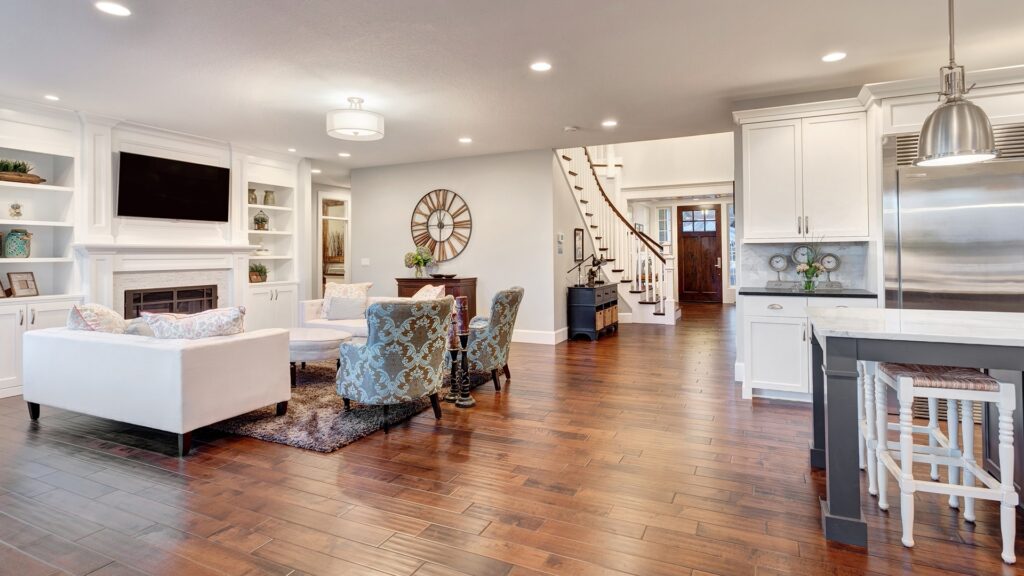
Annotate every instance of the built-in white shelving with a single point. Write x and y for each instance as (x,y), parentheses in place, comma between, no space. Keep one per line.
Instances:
(280,238)
(270,207)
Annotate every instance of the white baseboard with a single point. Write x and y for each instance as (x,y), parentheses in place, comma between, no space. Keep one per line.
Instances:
(550,337)
(12,391)
(738,372)
(783,395)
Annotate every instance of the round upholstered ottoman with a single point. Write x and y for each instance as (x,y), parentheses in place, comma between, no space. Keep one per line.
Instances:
(314,345)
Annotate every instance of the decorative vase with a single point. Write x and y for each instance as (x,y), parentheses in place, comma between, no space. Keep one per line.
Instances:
(419,271)
(809,284)
(269,199)
(18,244)
(252,196)
(15,210)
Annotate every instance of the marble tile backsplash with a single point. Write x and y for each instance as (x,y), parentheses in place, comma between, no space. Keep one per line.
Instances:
(755,272)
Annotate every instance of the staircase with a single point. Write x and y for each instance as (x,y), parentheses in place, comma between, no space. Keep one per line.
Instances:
(633,260)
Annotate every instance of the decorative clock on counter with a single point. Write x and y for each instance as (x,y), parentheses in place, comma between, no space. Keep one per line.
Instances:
(830,262)
(778,262)
(441,221)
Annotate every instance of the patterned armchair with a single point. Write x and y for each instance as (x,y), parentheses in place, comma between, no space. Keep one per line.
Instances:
(490,337)
(403,357)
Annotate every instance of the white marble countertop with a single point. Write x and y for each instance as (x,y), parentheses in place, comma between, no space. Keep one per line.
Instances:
(943,326)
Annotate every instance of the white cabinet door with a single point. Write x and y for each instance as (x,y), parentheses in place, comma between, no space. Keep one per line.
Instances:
(48,314)
(835,177)
(259,308)
(772,187)
(286,302)
(12,326)
(776,354)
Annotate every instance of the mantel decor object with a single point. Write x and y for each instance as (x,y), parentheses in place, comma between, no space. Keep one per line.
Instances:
(418,259)
(18,244)
(18,171)
(261,221)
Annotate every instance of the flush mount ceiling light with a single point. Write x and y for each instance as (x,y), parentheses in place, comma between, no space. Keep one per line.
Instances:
(465,140)
(354,123)
(316,170)
(833,57)
(610,123)
(52,98)
(540,66)
(344,154)
(958,131)
(113,8)
(291,149)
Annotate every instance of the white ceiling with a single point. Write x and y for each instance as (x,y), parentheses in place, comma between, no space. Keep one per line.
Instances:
(264,72)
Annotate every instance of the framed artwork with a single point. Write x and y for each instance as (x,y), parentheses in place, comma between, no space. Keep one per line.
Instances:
(577,244)
(3,293)
(22,284)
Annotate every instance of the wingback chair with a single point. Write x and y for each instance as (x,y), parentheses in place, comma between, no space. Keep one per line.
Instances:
(490,336)
(404,355)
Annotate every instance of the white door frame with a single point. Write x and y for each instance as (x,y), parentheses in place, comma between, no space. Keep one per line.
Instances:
(318,264)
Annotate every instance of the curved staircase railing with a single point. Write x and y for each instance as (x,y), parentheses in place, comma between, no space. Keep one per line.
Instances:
(635,258)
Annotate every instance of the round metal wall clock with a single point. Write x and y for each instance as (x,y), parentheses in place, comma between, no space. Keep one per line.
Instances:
(441,221)
(801,254)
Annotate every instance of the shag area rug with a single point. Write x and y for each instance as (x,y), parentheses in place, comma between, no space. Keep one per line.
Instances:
(316,418)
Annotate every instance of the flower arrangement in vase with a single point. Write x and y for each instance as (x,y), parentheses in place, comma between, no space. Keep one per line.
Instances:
(811,268)
(418,259)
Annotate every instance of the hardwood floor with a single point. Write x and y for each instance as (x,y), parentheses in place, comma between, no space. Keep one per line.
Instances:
(633,455)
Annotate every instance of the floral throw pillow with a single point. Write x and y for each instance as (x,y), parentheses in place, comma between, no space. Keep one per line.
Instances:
(216,322)
(429,292)
(95,318)
(333,290)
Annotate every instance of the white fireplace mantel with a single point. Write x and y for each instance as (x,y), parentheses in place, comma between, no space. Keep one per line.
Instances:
(101,261)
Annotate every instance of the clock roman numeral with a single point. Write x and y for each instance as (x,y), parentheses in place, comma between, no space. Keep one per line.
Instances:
(421,239)
(459,212)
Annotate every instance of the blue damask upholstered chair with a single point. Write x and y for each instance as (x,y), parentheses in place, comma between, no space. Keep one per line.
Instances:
(491,336)
(404,355)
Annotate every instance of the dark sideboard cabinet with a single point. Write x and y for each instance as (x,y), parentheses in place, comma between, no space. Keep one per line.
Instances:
(593,312)
(452,287)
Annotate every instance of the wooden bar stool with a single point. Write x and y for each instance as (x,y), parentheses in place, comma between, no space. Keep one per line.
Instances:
(956,385)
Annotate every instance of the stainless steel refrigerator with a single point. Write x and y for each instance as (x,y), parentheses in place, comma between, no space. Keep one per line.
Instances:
(954,240)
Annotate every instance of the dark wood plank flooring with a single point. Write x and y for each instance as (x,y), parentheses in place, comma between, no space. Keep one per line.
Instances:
(633,455)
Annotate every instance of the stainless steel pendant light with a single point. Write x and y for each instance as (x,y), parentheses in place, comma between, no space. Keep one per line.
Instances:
(958,131)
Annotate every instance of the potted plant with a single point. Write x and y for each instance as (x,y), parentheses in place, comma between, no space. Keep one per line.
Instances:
(257,272)
(261,221)
(18,171)
(418,259)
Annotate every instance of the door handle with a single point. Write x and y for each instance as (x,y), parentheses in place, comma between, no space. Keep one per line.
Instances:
(21,317)
(807,224)
(803,337)
(719,263)
(33,321)
(798,230)
(775,306)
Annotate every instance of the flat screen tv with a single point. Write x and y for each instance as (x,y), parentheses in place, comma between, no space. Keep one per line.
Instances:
(150,187)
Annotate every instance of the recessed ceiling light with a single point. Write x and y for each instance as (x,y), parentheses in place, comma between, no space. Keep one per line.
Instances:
(113,8)
(51,97)
(540,66)
(610,123)
(833,57)
(315,170)
(291,149)
(465,140)
(344,154)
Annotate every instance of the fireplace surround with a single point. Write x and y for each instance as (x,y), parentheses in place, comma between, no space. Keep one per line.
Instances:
(178,300)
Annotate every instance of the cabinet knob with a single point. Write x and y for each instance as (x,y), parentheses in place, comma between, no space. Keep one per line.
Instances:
(775,306)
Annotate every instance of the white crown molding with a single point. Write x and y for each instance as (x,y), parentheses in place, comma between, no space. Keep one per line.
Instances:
(929,84)
(805,110)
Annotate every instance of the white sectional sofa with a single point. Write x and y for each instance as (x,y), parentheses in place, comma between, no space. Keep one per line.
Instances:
(309,311)
(172,385)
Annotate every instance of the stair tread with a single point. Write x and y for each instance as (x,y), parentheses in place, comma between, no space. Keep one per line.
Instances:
(625,281)
(588,213)
(617,270)
(659,313)
(637,291)
(566,158)
(582,201)
(651,302)
(571,173)
(603,249)
(593,225)
(578,187)
(609,260)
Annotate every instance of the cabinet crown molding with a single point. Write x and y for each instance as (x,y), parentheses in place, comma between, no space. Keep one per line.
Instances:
(804,110)
(928,84)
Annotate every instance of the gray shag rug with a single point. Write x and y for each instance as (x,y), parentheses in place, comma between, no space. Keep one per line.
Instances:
(316,418)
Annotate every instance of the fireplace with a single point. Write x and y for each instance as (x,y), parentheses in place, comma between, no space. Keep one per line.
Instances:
(179,300)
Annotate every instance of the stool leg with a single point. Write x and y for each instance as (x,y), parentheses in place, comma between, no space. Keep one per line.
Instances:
(869,427)
(861,440)
(907,461)
(968,480)
(881,442)
(1008,509)
(933,426)
(953,422)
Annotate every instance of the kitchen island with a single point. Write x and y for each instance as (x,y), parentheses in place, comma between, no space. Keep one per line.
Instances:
(843,336)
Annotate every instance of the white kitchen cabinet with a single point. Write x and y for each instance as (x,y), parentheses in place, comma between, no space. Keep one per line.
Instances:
(16,318)
(272,305)
(835,177)
(806,178)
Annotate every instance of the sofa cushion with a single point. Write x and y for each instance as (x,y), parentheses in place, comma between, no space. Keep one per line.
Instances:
(216,322)
(428,292)
(357,327)
(345,308)
(95,318)
(138,327)
(334,290)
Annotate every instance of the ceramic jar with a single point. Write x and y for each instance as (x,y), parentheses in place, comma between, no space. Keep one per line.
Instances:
(252,196)
(269,199)
(17,244)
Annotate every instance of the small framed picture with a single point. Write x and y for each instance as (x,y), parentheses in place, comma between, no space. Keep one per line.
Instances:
(3,293)
(22,284)
(577,244)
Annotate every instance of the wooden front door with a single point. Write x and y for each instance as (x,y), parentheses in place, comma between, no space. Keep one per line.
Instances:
(700,253)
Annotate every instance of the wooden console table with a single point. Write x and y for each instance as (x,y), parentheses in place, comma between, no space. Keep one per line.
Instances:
(452,287)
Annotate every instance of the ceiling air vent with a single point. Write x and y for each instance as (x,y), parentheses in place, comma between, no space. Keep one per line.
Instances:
(1009,142)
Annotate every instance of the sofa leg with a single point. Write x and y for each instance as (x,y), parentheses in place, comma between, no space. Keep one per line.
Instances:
(508,374)
(292,373)
(348,404)
(497,383)
(282,408)
(184,444)
(33,410)
(436,403)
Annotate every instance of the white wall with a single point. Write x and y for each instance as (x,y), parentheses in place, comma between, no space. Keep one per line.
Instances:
(566,218)
(677,161)
(512,243)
